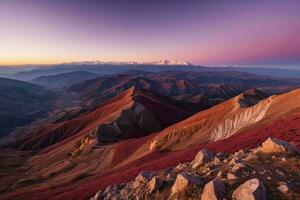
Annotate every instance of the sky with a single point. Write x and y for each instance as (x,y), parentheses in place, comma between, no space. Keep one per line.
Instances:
(205,32)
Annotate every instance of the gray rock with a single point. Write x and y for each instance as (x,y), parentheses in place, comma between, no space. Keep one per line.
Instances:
(283,187)
(214,190)
(239,154)
(252,189)
(231,176)
(279,172)
(220,174)
(142,178)
(183,181)
(154,184)
(238,166)
(203,156)
(273,145)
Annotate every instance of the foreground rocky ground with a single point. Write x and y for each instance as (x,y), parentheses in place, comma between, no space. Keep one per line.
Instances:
(271,171)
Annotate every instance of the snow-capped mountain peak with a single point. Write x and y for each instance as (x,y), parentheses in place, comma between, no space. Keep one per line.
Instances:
(160,62)
(171,62)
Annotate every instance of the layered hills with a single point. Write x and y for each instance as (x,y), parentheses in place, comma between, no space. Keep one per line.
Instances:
(133,113)
(63,79)
(188,86)
(241,122)
(104,131)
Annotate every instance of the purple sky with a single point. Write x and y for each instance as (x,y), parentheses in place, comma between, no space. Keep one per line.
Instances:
(249,33)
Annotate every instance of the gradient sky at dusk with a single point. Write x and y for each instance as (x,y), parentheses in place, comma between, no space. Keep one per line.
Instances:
(208,32)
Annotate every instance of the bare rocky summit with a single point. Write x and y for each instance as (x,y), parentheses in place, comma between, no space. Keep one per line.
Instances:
(258,174)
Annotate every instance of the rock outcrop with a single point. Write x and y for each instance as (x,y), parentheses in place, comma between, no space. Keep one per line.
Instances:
(241,119)
(243,175)
(135,121)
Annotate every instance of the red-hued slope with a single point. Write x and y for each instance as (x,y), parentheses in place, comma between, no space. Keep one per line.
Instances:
(168,111)
(287,128)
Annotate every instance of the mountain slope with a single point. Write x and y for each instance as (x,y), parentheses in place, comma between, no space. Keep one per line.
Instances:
(224,120)
(133,113)
(21,103)
(286,128)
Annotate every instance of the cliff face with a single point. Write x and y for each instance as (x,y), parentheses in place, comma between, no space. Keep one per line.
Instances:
(242,119)
(135,121)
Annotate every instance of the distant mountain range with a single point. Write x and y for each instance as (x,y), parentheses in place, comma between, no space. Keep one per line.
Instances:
(159,62)
(31,72)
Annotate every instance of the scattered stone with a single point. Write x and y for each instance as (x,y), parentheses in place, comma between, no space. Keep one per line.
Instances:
(203,156)
(238,166)
(154,184)
(273,145)
(252,189)
(183,181)
(263,172)
(250,156)
(279,172)
(256,150)
(283,187)
(167,171)
(233,161)
(239,155)
(231,176)
(170,178)
(220,174)
(217,161)
(220,154)
(111,191)
(142,178)
(98,196)
(214,190)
